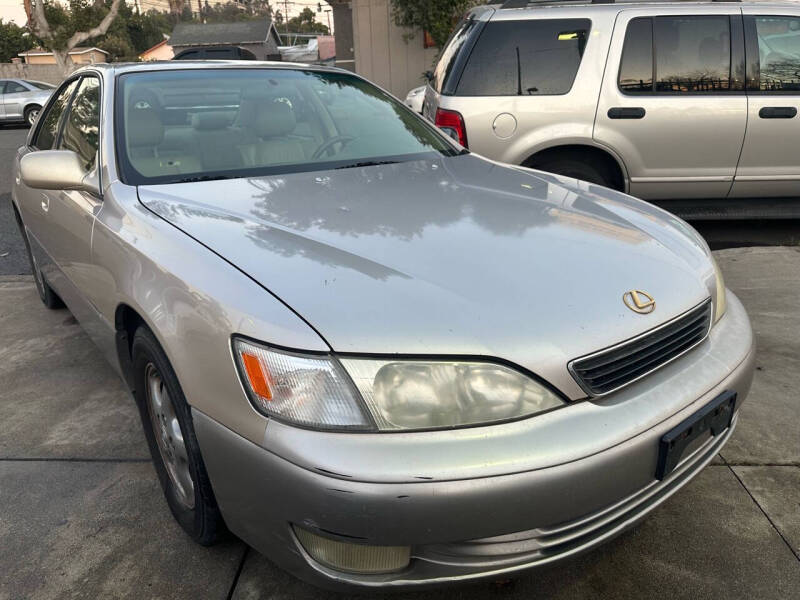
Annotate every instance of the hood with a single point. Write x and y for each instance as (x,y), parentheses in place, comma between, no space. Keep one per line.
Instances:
(451,256)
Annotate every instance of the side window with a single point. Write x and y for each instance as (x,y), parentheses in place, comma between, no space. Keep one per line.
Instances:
(779,53)
(525,58)
(636,67)
(2,87)
(447,59)
(48,129)
(82,127)
(693,54)
(12,87)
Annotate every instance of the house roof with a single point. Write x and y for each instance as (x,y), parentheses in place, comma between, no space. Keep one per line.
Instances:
(239,32)
(75,50)
(151,48)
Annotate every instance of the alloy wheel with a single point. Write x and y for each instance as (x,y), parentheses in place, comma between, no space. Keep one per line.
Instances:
(169,436)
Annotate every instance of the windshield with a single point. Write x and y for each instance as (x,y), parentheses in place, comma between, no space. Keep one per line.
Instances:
(40,84)
(190,125)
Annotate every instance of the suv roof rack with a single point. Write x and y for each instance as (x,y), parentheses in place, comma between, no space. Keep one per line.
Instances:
(526,3)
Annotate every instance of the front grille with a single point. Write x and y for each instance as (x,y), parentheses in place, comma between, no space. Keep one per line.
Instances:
(608,370)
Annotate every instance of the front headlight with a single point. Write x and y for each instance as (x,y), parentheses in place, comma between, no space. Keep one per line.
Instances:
(389,395)
(720,301)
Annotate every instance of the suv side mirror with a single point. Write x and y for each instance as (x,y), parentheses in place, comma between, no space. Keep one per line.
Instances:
(57,170)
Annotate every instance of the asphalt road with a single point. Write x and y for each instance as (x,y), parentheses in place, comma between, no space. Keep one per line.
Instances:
(13,260)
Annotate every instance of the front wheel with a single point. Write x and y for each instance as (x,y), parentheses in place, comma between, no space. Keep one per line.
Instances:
(31,114)
(168,427)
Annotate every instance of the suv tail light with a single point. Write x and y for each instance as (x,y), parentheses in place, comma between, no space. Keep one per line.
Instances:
(452,123)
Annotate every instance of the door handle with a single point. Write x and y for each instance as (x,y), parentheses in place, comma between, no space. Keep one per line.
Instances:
(45,203)
(777,112)
(626,112)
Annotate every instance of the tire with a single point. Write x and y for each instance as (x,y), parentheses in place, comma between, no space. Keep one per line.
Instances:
(165,417)
(585,170)
(31,113)
(46,294)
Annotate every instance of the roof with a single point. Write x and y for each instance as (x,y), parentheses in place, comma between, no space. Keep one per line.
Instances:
(151,48)
(239,32)
(75,50)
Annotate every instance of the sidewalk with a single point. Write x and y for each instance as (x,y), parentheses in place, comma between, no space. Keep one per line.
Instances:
(81,512)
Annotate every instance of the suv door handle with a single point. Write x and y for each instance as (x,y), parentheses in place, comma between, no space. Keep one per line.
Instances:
(626,112)
(777,112)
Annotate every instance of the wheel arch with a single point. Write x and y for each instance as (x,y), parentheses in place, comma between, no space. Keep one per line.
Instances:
(126,321)
(585,151)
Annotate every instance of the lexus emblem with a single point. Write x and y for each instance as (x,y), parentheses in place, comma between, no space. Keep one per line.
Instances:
(639,301)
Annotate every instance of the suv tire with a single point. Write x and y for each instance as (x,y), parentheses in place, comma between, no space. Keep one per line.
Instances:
(579,168)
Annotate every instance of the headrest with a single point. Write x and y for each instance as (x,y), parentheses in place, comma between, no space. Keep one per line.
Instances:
(144,128)
(207,121)
(275,119)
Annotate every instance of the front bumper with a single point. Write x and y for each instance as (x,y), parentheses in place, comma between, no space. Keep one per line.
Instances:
(490,524)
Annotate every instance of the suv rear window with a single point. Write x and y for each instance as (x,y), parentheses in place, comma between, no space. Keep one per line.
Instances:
(530,58)
(445,67)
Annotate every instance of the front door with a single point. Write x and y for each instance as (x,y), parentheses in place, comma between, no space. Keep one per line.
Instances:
(673,103)
(63,220)
(770,165)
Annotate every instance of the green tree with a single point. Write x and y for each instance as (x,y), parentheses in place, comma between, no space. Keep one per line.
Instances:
(305,23)
(13,40)
(61,29)
(437,17)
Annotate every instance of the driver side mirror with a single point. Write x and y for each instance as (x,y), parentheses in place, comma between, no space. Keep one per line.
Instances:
(57,170)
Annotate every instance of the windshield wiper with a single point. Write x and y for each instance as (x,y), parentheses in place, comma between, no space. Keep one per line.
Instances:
(368,163)
(202,178)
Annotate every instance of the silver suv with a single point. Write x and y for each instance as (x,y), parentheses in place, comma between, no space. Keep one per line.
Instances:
(662,100)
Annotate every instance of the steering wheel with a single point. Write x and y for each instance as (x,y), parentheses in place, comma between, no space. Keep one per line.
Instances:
(328,144)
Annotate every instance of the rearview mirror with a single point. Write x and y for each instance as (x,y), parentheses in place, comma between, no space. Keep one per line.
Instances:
(57,170)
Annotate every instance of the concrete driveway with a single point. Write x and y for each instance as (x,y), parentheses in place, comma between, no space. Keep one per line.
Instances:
(81,512)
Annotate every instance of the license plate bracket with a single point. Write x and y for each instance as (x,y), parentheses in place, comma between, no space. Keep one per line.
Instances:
(715,417)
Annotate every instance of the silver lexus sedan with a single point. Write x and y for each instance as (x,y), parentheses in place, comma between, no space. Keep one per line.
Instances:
(379,359)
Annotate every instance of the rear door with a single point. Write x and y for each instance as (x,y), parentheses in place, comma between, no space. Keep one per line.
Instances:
(673,103)
(770,163)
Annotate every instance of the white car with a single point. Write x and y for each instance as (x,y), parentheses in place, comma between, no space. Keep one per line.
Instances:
(414,99)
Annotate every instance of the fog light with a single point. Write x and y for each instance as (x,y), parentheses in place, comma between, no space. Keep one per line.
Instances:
(354,558)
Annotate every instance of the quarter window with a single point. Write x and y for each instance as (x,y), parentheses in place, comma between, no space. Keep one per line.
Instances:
(525,58)
(48,130)
(779,53)
(82,126)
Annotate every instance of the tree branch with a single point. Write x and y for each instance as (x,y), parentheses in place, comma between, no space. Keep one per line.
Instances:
(100,29)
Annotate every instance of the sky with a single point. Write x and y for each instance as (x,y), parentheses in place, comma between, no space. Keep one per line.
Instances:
(12,10)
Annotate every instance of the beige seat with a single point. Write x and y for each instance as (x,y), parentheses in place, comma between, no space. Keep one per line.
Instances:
(217,141)
(145,133)
(273,124)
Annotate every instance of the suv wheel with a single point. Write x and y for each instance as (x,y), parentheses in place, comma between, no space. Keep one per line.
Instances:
(168,427)
(579,168)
